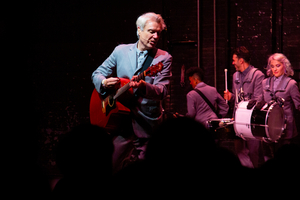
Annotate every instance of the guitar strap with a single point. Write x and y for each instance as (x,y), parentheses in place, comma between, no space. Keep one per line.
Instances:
(208,102)
(140,120)
(149,59)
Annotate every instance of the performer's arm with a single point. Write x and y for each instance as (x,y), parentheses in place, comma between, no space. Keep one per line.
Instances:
(230,96)
(222,105)
(295,94)
(191,109)
(159,89)
(258,90)
(105,70)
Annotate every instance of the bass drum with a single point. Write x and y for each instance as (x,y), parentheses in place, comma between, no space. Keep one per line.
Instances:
(267,123)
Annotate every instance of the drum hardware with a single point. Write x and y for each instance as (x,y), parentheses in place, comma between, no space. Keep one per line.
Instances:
(236,97)
(264,107)
(253,125)
(216,124)
(280,101)
(222,128)
(266,140)
(227,121)
(241,94)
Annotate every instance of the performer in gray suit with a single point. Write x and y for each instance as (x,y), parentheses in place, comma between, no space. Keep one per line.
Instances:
(126,61)
(280,87)
(246,85)
(197,108)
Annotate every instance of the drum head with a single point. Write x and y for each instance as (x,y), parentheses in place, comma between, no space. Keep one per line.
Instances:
(276,122)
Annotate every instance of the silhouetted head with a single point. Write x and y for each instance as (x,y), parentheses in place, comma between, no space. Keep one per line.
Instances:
(85,151)
(180,142)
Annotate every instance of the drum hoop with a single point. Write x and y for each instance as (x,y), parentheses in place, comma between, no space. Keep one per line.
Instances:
(266,122)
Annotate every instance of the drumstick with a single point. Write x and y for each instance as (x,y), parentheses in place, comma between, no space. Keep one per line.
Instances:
(226,88)
(236,97)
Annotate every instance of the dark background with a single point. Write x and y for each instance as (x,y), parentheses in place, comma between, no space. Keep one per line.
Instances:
(52,48)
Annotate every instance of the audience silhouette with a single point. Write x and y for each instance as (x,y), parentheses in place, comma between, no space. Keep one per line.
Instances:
(182,160)
(281,174)
(84,157)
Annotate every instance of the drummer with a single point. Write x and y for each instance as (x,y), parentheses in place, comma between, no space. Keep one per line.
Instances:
(204,102)
(280,87)
(246,85)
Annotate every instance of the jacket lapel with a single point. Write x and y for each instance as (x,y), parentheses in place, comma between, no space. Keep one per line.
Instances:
(132,56)
(269,84)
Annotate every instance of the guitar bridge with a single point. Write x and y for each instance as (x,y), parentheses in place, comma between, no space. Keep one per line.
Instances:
(108,105)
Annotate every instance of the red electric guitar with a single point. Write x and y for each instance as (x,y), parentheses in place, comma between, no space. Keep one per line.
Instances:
(102,108)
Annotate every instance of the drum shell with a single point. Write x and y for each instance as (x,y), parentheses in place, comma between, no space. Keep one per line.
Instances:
(242,124)
(267,123)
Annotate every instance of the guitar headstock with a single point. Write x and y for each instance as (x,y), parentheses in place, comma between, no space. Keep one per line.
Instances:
(154,69)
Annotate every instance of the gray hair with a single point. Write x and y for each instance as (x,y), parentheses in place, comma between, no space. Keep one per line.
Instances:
(142,20)
(288,71)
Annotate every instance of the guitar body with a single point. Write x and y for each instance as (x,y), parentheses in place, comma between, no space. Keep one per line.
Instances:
(111,114)
(102,109)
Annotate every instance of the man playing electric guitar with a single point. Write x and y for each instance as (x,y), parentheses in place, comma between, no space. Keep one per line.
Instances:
(128,61)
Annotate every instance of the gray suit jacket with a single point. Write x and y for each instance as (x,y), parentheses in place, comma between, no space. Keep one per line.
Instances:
(199,110)
(288,90)
(251,84)
(123,63)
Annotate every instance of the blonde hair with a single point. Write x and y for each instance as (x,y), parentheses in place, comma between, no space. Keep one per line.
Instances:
(142,20)
(288,71)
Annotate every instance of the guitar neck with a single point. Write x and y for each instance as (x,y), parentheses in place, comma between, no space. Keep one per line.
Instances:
(126,87)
